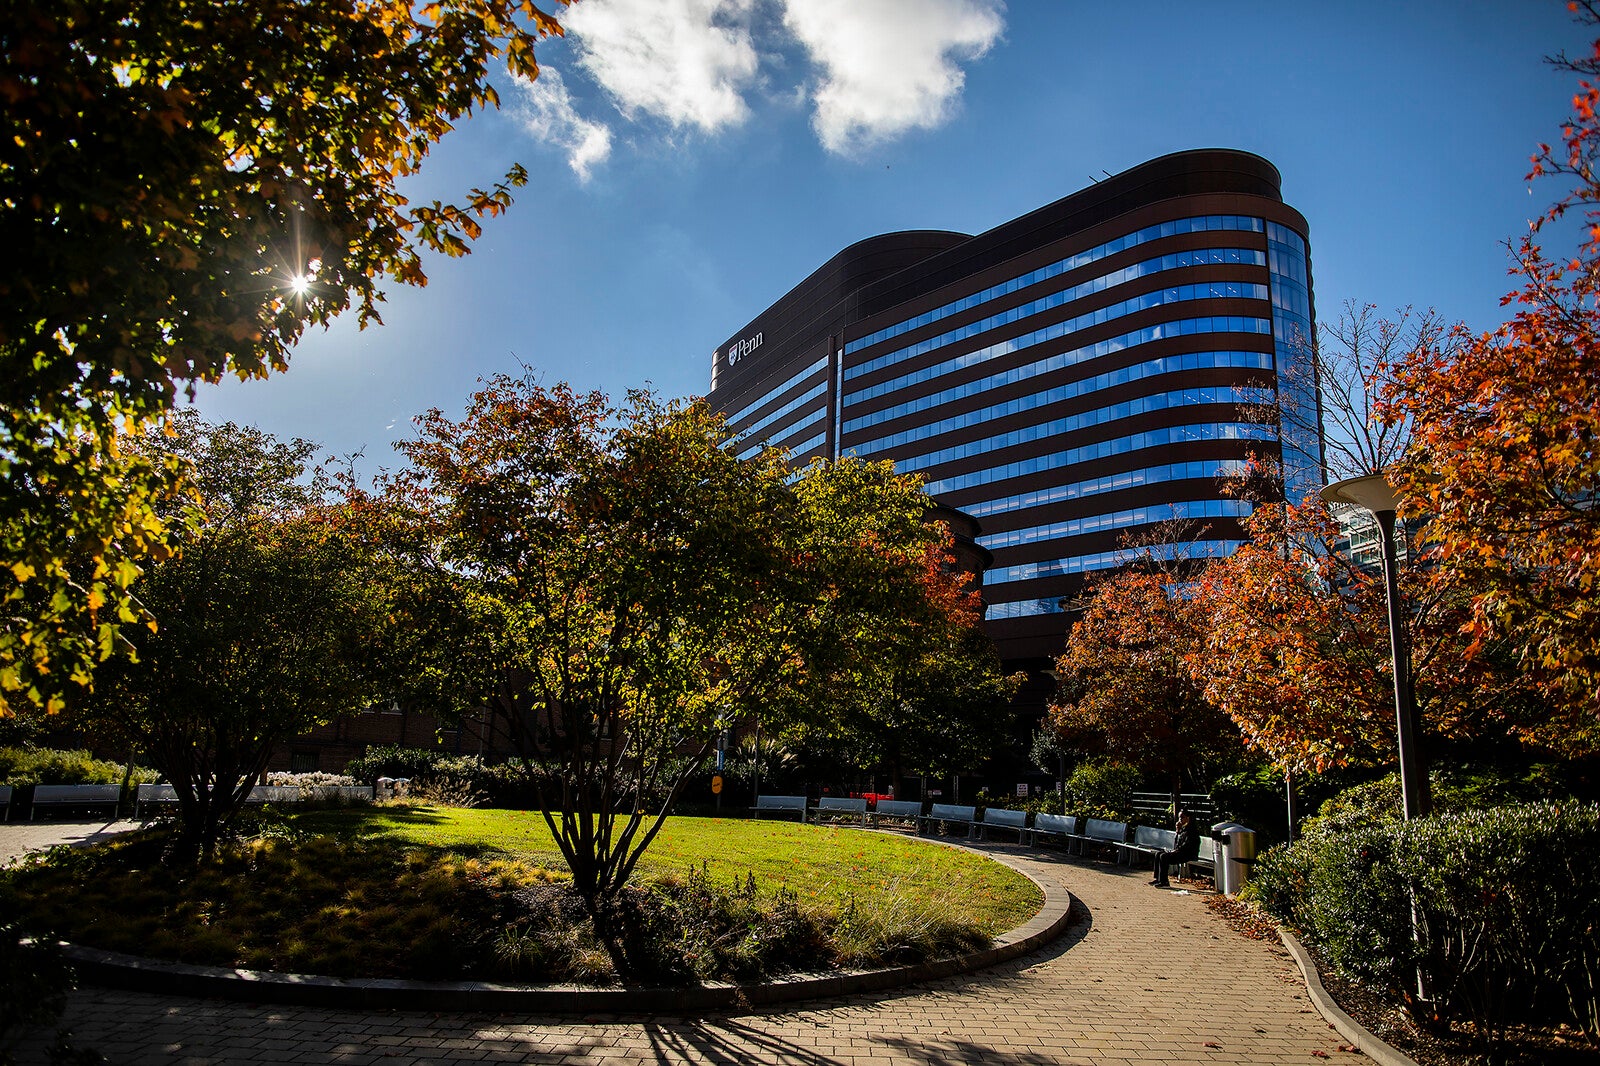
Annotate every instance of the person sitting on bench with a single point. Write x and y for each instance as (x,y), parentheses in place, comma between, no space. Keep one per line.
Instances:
(1185,848)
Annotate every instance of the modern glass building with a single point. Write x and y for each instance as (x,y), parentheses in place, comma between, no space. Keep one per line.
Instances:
(1074,379)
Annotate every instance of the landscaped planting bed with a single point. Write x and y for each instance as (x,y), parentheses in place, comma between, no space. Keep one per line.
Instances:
(444,893)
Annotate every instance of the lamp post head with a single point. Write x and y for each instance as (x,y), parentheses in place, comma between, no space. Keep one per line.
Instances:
(1371,491)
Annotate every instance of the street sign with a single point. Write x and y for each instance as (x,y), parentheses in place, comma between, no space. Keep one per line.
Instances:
(716,784)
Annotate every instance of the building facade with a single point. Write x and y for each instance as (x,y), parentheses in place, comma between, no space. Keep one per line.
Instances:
(1075,379)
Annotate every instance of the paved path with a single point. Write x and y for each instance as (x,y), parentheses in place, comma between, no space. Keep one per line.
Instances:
(19,838)
(1148,977)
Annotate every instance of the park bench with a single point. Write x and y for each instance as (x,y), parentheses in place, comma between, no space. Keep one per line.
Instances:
(782,805)
(907,811)
(1100,832)
(1147,840)
(5,803)
(840,808)
(1064,826)
(950,813)
(75,797)
(996,818)
(1207,858)
(149,796)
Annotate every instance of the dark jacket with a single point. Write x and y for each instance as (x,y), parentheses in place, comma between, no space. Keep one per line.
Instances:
(1186,844)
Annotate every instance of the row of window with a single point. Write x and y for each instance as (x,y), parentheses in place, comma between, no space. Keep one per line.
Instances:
(793,380)
(1059,361)
(1292,333)
(1123,479)
(1072,294)
(1178,328)
(1161,401)
(1197,549)
(1152,438)
(1083,387)
(1074,527)
(799,401)
(788,431)
(1200,224)
(799,450)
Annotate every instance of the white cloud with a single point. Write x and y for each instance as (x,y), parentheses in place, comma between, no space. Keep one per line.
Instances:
(688,62)
(544,109)
(888,65)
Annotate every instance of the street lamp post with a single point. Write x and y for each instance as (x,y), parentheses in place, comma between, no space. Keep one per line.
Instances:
(1374,494)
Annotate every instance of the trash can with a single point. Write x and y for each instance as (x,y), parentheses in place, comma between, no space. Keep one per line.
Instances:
(1235,855)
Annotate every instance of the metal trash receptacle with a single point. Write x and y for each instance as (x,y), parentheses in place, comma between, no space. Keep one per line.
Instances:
(1235,856)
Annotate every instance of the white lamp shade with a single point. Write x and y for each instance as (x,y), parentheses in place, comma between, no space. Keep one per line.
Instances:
(1371,491)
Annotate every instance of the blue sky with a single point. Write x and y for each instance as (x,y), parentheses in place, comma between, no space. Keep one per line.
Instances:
(691,160)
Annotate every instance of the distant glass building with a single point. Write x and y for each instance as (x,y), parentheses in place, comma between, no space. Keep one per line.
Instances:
(1069,378)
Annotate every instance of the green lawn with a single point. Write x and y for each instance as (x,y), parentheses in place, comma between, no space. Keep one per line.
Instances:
(825,864)
(441,893)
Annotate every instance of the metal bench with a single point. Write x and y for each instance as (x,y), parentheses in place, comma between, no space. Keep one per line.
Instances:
(781,805)
(149,796)
(75,797)
(1100,831)
(1064,826)
(5,803)
(840,808)
(907,811)
(950,813)
(996,818)
(1147,840)
(1209,849)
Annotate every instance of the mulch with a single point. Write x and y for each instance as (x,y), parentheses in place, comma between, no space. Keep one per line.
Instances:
(1388,1020)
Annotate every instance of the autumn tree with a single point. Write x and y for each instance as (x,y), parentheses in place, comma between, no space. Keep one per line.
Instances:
(1124,684)
(1505,467)
(184,188)
(636,590)
(1294,648)
(261,617)
(925,692)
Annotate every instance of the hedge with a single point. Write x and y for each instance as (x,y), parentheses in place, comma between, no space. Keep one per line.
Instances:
(1507,905)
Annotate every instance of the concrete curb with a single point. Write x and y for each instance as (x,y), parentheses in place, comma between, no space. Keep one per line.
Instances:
(116,970)
(1379,1052)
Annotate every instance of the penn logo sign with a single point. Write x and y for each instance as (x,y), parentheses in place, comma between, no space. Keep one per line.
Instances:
(739,349)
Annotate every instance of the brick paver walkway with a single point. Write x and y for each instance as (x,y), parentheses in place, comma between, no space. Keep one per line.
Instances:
(1148,977)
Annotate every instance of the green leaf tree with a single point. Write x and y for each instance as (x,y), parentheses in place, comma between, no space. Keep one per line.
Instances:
(261,615)
(636,589)
(184,188)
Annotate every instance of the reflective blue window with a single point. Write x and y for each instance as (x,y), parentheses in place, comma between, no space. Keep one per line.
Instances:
(809,444)
(1056,427)
(1074,527)
(1126,479)
(788,431)
(1292,334)
(1102,449)
(767,397)
(1077,564)
(1201,224)
(1176,328)
(793,405)
(1046,397)
(1172,294)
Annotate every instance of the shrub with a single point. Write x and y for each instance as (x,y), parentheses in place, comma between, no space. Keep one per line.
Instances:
(457,780)
(1102,790)
(391,760)
(1507,902)
(49,766)
(314,779)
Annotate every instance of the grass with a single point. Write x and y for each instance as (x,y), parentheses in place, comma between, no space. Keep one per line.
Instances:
(442,893)
(818,863)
